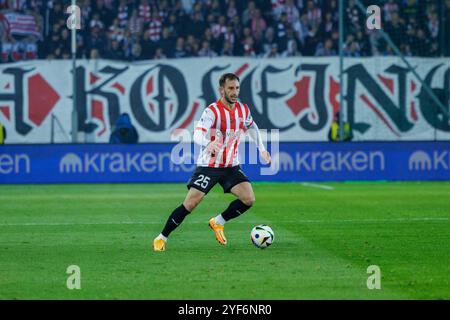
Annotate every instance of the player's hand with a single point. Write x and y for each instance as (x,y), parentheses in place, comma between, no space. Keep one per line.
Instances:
(213,147)
(266,156)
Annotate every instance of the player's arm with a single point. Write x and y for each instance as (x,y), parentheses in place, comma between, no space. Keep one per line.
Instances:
(201,131)
(255,136)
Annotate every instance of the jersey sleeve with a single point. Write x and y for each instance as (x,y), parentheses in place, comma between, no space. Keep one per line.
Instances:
(206,121)
(249,119)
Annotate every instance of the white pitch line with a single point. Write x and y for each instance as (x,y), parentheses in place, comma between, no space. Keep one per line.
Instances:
(320,186)
(240,222)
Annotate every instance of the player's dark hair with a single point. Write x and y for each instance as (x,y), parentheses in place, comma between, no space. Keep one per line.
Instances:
(227,76)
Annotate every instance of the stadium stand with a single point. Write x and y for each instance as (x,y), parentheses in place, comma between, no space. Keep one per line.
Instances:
(134,30)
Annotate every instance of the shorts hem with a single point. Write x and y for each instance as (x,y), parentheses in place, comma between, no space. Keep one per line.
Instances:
(189,186)
(228,190)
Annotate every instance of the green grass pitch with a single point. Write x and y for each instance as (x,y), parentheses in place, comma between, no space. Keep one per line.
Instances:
(325,239)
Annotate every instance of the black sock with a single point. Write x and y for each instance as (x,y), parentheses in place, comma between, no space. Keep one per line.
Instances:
(175,219)
(235,209)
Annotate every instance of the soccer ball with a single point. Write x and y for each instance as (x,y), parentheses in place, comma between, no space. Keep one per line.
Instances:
(262,236)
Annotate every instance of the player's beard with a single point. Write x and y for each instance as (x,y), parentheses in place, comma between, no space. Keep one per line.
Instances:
(228,99)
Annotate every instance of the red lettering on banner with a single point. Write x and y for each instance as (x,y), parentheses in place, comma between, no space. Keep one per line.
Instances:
(300,101)
(5,111)
(97,112)
(42,98)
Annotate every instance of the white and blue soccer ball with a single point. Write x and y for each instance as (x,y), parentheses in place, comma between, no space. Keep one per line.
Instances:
(262,236)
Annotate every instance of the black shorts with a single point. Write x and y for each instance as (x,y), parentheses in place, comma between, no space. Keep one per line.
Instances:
(205,178)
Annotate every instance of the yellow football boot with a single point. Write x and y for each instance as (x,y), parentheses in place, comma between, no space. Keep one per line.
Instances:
(218,230)
(159,245)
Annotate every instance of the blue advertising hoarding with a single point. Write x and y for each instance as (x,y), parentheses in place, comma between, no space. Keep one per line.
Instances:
(106,163)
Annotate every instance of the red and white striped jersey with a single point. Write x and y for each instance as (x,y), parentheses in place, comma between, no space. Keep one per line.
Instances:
(219,122)
(122,15)
(145,12)
(154,29)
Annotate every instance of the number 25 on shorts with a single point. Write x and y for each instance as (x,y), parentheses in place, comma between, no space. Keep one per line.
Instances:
(202,181)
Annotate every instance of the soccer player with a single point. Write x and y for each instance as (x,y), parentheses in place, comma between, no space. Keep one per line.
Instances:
(218,133)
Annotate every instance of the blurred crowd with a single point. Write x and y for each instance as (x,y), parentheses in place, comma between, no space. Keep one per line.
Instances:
(134,30)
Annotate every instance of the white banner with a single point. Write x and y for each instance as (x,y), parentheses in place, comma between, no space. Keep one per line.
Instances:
(299,96)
